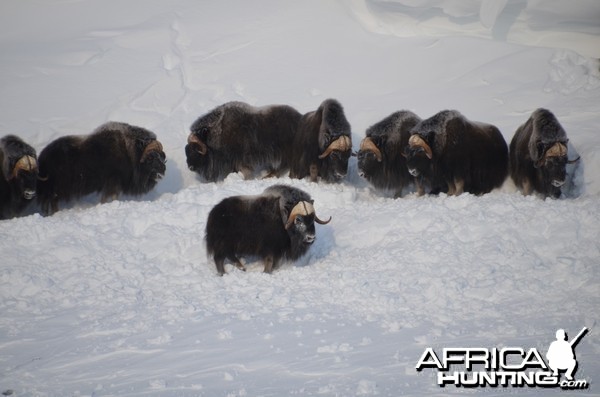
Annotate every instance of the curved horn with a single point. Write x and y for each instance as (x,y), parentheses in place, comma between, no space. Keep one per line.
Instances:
(25,163)
(416,140)
(192,138)
(322,222)
(343,143)
(154,146)
(574,160)
(368,145)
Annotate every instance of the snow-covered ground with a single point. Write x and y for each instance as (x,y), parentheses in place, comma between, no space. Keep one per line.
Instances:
(120,299)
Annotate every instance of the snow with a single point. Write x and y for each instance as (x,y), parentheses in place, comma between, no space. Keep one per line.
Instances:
(120,298)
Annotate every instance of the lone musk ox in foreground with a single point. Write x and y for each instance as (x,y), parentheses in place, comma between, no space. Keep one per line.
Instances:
(448,153)
(381,158)
(117,158)
(18,175)
(277,224)
(538,155)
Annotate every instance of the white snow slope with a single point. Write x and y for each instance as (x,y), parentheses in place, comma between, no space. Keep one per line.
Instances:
(120,299)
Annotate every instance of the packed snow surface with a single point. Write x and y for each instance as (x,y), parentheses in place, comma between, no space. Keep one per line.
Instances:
(120,299)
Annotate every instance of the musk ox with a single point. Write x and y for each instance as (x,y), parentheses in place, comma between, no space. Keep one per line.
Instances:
(538,155)
(116,158)
(448,153)
(323,144)
(237,137)
(19,172)
(381,158)
(277,224)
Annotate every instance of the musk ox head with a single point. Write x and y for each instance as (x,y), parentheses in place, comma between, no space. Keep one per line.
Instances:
(24,175)
(18,163)
(418,156)
(300,223)
(553,164)
(206,129)
(152,164)
(196,153)
(370,157)
(335,144)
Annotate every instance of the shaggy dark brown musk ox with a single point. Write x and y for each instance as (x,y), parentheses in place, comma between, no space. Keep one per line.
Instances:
(19,172)
(237,137)
(538,155)
(448,153)
(381,158)
(277,224)
(323,144)
(116,158)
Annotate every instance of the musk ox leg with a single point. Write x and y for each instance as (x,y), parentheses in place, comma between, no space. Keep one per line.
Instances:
(220,263)
(270,263)
(457,188)
(107,197)
(236,261)
(247,172)
(50,207)
(420,188)
(314,172)
(527,187)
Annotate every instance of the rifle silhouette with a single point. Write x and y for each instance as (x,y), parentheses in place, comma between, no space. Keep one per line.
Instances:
(580,335)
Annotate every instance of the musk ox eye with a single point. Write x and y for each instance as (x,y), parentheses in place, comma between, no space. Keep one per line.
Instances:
(299,219)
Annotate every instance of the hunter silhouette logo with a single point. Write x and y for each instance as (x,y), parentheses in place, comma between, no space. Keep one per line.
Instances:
(561,354)
(507,366)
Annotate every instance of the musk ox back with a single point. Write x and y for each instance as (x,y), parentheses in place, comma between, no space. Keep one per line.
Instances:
(117,158)
(277,224)
(323,144)
(538,155)
(19,173)
(237,137)
(381,158)
(448,153)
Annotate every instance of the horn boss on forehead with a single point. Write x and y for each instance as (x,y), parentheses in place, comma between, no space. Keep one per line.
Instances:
(193,139)
(556,150)
(367,145)
(154,146)
(417,141)
(25,163)
(342,144)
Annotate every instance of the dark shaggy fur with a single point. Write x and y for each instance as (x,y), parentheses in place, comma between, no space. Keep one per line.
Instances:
(316,132)
(242,138)
(16,188)
(110,161)
(528,168)
(255,226)
(390,135)
(466,156)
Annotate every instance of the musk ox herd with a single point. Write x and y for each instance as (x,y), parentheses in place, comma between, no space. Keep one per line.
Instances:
(445,153)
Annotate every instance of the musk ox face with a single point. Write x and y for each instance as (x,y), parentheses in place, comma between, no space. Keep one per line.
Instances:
(25,175)
(553,165)
(338,150)
(418,162)
(370,159)
(303,229)
(153,165)
(197,158)
(418,155)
